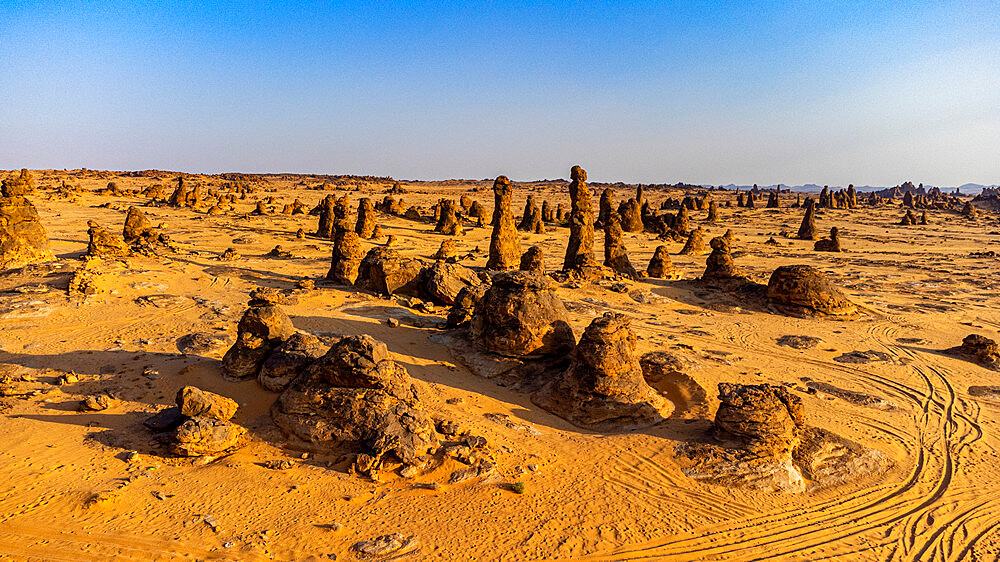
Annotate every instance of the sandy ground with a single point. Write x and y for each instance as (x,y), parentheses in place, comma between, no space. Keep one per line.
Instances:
(616,496)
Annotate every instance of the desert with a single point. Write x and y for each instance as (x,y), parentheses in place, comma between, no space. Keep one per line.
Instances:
(291,367)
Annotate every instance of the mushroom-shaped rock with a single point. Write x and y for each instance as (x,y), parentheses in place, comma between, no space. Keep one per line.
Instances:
(356,396)
(805,290)
(603,388)
(521,315)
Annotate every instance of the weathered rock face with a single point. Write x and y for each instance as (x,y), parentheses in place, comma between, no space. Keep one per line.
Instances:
(443,281)
(660,266)
(263,327)
(630,215)
(603,388)
(720,264)
(446,251)
(908,219)
(766,419)
(288,360)
(464,306)
(807,231)
(346,256)
(356,396)
(20,185)
(713,212)
(533,260)
(386,272)
(520,315)
(103,244)
(136,225)
(605,207)
(682,224)
(325,210)
(206,436)
(532,220)
(448,221)
(803,289)
(22,237)
(831,244)
(615,253)
(695,244)
(195,402)
(979,349)
(365,227)
(505,245)
(580,250)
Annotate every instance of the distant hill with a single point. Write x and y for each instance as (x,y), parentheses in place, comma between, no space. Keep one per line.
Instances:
(966,188)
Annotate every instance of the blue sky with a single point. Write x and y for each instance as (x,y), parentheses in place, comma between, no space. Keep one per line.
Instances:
(713,93)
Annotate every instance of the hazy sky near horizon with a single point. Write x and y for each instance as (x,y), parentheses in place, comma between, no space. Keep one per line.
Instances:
(870,93)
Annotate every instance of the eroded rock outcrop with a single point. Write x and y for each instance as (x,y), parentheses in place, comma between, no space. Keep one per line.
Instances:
(505,244)
(580,250)
(603,388)
(104,244)
(660,266)
(356,397)
(288,359)
(22,238)
(615,253)
(831,244)
(979,349)
(521,315)
(805,290)
(385,271)
(720,265)
(263,327)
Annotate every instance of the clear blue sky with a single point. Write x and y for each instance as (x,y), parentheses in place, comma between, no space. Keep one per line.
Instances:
(864,93)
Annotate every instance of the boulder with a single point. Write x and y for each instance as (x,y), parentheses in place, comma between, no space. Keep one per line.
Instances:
(384,271)
(264,327)
(521,315)
(804,290)
(194,402)
(443,281)
(979,349)
(206,436)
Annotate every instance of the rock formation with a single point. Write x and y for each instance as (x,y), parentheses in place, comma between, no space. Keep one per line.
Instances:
(505,244)
(18,186)
(345,258)
(979,349)
(356,397)
(804,290)
(720,264)
(446,251)
(807,231)
(288,359)
(385,271)
(603,388)
(605,207)
(448,221)
(766,420)
(103,244)
(442,281)
(365,227)
(22,238)
(660,266)
(713,212)
(695,245)
(831,244)
(325,210)
(580,250)
(630,215)
(263,328)
(533,260)
(615,253)
(521,315)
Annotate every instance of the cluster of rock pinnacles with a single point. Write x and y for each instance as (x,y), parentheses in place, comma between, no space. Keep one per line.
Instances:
(350,393)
